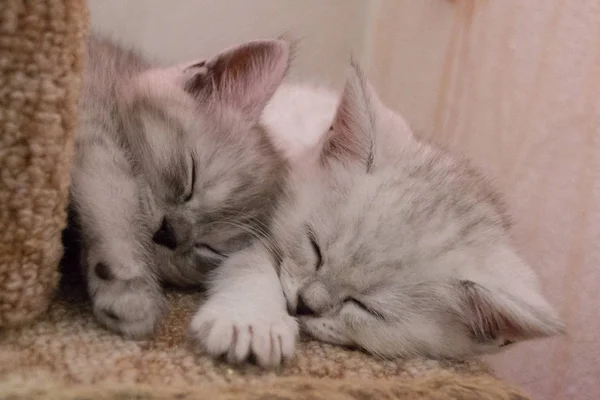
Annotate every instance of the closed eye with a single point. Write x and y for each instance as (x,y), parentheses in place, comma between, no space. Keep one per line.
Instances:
(190,194)
(364,307)
(316,249)
(208,251)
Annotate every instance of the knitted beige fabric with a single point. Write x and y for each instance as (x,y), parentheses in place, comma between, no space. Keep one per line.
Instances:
(67,355)
(439,387)
(40,63)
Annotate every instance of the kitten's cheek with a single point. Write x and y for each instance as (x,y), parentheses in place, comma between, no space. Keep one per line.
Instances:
(325,329)
(290,288)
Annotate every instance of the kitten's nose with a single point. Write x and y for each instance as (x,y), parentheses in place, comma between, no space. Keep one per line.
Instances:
(302,308)
(165,236)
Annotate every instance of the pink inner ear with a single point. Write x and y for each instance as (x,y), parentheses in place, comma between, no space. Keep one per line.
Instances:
(342,139)
(486,320)
(246,77)
(350,138)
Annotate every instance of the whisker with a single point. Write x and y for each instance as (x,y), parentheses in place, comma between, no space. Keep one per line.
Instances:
(266,241)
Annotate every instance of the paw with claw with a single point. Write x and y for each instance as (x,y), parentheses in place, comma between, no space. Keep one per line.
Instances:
(240,332)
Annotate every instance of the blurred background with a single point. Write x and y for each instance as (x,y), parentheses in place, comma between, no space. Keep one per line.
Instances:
(514,85)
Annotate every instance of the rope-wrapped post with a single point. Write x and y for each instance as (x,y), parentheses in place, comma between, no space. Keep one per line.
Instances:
(41,57)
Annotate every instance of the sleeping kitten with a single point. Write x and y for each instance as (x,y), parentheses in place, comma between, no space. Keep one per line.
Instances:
(382,242)
(172,173)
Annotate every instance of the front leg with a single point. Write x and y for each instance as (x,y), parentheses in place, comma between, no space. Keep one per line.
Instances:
(245,313)
(125,294)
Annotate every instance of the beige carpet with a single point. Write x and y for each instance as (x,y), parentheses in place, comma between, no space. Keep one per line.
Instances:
(66,354)
(434,388)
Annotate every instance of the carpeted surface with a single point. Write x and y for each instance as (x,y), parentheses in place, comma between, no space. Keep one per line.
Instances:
(67,346)
(67,355)
(440,387)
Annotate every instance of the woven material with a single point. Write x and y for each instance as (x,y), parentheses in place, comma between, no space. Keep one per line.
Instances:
(67,348)
(41,44)
(439,387)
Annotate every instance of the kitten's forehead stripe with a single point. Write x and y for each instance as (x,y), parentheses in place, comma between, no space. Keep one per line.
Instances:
(198,65)
(250,189)
(370,160)
(170,163)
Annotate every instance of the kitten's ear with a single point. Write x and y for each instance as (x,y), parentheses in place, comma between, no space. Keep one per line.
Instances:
(514,311)
(351,136)
(242,78)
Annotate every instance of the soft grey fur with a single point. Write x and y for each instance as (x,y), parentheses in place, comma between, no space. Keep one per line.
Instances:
(141,128)
(381,242)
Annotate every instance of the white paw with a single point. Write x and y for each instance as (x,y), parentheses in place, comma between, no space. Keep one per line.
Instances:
(239,332)
(130,307)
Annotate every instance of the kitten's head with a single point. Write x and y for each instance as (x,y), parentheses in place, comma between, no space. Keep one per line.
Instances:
(397,248)
(212,175)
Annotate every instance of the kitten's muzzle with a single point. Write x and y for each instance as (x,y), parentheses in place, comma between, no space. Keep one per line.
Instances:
(303,309)
(165,235)
(313,300)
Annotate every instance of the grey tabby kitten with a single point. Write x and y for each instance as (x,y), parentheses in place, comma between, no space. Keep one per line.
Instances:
(381,242)
(172,173)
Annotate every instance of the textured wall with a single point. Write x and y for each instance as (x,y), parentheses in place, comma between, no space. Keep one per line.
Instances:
(187,29)
(516,86)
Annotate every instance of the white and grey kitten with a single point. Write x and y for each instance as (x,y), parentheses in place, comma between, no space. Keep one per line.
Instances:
(172,172)
(381,242)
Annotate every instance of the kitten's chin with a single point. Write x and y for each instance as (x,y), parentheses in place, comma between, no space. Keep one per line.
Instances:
(182,270)
(327,330)
(290,292)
